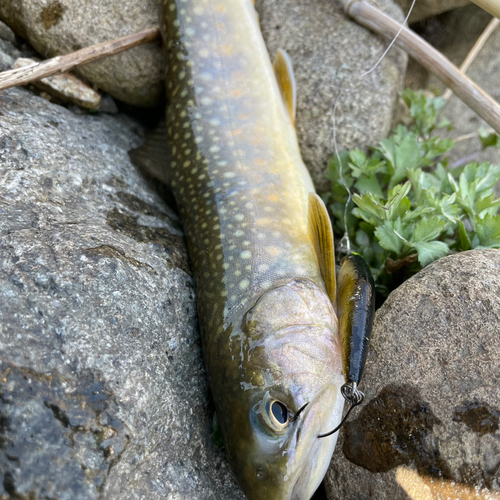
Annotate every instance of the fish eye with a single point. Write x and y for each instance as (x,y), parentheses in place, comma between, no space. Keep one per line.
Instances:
(276,415)
(279,412)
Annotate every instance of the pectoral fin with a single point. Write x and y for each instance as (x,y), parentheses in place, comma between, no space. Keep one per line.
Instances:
(153,156)
(321,234)
(286,80)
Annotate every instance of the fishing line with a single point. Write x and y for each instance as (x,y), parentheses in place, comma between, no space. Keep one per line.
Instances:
(345,242)
(350,392)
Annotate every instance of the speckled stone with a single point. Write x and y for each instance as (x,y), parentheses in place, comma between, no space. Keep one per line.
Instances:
(329,52)
(428,8)
(102,388)
(432,385)
(56,27)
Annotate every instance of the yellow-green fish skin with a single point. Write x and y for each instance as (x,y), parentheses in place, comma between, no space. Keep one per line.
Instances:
(269,331)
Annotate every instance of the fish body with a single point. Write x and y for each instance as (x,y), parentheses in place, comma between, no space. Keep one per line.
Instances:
(269,329)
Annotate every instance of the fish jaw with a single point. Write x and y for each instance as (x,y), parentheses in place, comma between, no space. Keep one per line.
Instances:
(318,457)
(292,356)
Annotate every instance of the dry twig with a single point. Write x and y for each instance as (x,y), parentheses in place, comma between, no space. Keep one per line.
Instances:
(62,64)
(372,18)
(491,6)
(492,26)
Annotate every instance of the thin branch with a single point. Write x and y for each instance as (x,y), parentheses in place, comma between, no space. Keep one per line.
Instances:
(372,18)
(62,64)
(492,26)
(491,6)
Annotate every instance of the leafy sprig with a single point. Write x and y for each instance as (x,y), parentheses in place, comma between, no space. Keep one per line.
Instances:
(408,207)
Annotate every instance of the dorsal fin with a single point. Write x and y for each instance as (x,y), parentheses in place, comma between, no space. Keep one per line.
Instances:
(153,156)
(321,234)
(286,80)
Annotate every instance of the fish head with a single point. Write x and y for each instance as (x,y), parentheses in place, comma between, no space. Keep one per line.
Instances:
(290,393)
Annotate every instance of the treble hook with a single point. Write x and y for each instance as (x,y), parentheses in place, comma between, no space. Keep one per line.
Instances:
(354,396)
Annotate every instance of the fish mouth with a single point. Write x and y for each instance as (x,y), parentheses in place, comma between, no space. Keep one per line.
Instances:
(313,455)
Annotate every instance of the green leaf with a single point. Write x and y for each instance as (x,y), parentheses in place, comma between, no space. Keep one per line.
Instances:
(388,239)
(403,152)
(362,239)
(417,213)
(423,110)
(488,231)
(428,229)
(488,138)
(449,208)
(396,195)
(370,204)
(430,251)
(487,205)
(463,237)
(369,184)
(445,123)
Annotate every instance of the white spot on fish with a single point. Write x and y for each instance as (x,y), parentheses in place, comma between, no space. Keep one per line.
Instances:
(244,284)
(246,254)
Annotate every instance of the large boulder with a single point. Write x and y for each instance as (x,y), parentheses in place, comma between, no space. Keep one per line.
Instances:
(432,385)
(329,52)
(102,386)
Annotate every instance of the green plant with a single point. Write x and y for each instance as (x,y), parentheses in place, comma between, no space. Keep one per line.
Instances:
(408,207)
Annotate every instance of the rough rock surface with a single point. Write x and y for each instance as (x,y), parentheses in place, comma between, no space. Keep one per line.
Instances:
(56,27)
(432,386)
(329,51)
(454,34)
(102,387)
(427,8)
(8,52)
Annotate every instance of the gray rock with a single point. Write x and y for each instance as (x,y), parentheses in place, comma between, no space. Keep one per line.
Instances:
(329,51)
(432,385)
(8,51)
(427,8)
(6,33)
(59,27)
(102,387)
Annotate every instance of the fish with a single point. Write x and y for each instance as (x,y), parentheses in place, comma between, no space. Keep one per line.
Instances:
(260,242)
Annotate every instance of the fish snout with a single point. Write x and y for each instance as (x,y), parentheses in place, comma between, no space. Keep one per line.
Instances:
(313,455)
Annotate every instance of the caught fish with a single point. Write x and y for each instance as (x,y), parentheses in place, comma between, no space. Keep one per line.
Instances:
(261,246)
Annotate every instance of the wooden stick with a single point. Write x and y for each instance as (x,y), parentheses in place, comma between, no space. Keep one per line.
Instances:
(491,6)
(372,18)
(492,26)
(62,64)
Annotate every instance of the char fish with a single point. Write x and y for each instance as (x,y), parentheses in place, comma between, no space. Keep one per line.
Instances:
(261,246)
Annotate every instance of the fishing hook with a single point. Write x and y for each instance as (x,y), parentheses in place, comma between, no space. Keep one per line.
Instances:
(354,396)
